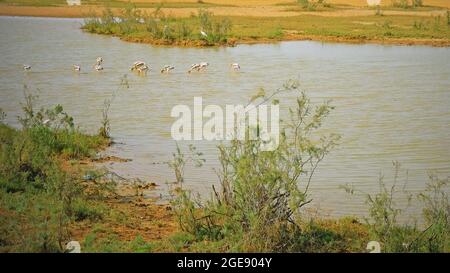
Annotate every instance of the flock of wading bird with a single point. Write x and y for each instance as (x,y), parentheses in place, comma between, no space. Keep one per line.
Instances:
(142,68)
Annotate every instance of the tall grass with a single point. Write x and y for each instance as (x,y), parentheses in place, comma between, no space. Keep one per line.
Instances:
(405,4)
(39,199)
(396,236)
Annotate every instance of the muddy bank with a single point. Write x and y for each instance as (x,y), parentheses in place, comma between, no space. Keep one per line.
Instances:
(293,37)
(387,41)
(131,215)
(131,206)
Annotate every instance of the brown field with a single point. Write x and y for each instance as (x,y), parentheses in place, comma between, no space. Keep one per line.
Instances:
(260,11)
(355,3)
(257,8)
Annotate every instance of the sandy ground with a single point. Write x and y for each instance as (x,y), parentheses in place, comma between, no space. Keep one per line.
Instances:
(83,11)
(240,3)
(263,11)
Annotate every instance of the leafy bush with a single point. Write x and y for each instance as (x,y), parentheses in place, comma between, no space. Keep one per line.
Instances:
(260,194)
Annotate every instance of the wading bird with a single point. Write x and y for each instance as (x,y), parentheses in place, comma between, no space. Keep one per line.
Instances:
(194,67)
(98,67)
(136,65)
(203,33)
(203,65)
(198,67)
(99,60)
(98,64)
(167,69)
(26,67)
(235,66)
(143,69)
(76,67)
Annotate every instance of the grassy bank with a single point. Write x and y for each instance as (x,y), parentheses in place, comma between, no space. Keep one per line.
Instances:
(161,28)
(379,29)
(202,29)
(51,193)
(40,196)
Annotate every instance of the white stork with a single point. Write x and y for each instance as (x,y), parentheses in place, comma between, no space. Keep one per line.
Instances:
(143,69)
(235,66)
(136,65)
(203,65)
(194,67)
(26,67)
(99,60)
(98,67)
(167,69)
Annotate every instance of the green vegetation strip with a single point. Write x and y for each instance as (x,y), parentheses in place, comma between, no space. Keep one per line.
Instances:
(158,28)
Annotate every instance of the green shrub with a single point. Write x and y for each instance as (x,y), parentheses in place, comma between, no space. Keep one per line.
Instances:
(400,4)
(260,195)
(404,237)
(217,31)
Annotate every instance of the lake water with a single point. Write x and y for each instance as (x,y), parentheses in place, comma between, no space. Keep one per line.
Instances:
(392,102)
